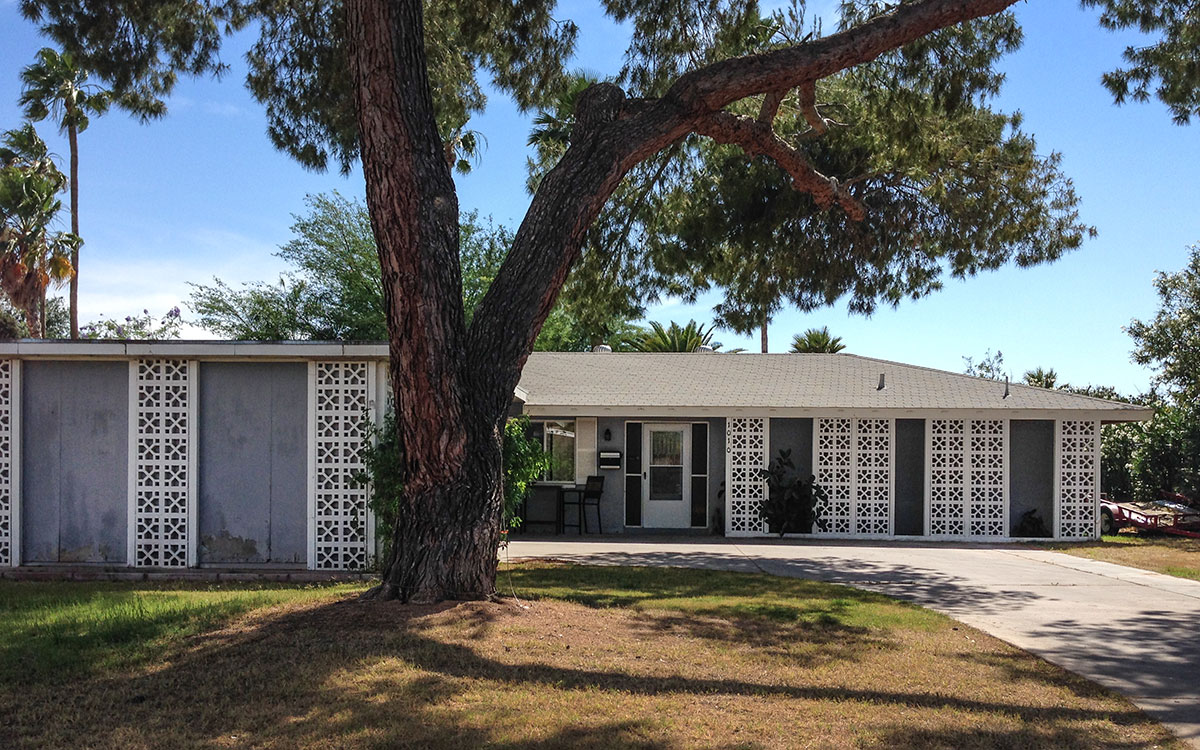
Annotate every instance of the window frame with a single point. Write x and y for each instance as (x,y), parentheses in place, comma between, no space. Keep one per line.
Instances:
(574,427)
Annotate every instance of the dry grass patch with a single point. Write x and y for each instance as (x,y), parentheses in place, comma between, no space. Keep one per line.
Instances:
(589,657)
(1162,553)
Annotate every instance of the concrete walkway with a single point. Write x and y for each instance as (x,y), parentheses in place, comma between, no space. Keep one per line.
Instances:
(1131,630)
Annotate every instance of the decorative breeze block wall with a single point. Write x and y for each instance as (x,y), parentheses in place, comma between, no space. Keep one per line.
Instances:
(746,449)
(341,412)
(162,461)
(968,478)
(852,462)
(1078,479)
(8,498)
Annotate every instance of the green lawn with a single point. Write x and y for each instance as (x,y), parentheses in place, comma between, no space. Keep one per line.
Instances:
(1161,553)
(583,657)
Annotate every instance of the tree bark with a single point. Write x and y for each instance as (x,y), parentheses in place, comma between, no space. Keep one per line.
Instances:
(764,336)
(444,541)
(73,141)
(452,385)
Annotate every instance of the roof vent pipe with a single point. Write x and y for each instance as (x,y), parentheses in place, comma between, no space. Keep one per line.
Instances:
(704,349)
(1005,386)
(881,385)
(602,348)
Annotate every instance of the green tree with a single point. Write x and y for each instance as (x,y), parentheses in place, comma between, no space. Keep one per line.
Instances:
(391,82)
(32,254)
(990,367)
(963,183)
(335,293)
(144,327)
(1167,452)
(817,341)
(55,86)
(1167,67)
(13,326)
(1170,342)
(1166,455)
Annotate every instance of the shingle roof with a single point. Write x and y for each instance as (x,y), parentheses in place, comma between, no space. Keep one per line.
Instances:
(779,381)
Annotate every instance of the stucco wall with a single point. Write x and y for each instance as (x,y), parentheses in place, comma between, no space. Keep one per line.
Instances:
(74,462)
(612,503)
(1031,473)
(909,513)
(253,459)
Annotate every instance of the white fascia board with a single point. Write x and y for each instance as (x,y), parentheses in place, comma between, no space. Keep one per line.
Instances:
(207,350)
(148,349)
(597,410)
(65,349)
(365,351)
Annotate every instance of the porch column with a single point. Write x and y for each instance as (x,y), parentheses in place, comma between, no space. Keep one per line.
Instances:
(1076,479)
(746,453)
(10,462)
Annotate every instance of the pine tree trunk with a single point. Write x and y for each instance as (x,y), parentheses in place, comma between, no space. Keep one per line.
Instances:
(448,524)
(73,138)
(445,540)
(764,336)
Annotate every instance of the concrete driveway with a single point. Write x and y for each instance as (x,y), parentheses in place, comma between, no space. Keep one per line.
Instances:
(1134,631)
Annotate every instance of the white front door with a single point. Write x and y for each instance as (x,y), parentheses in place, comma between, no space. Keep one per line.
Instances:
(666,486)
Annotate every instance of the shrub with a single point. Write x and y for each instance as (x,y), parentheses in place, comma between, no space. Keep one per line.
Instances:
(790,506)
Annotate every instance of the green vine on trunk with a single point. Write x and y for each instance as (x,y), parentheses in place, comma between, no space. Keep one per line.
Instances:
(523,460)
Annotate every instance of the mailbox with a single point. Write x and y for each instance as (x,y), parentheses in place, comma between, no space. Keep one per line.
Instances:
(610,459)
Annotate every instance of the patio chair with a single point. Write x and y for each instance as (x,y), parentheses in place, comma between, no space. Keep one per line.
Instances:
(586,496)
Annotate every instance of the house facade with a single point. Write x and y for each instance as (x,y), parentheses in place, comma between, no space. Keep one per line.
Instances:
(229,454)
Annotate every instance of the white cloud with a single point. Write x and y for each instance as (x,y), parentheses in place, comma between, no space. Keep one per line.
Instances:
(154,275)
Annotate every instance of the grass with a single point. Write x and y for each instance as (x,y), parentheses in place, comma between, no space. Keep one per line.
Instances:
(587,657)
(1173,555)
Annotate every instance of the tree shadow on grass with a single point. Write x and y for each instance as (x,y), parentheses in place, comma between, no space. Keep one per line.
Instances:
(386,675)
(913,581)
(1018,738)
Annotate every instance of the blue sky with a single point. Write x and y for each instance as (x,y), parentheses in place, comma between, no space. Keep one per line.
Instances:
(202,193)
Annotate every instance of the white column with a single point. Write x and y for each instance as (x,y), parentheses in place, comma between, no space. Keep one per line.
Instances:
(162,463)
(341,413)
(746,451)
(10,462)
(1076,479)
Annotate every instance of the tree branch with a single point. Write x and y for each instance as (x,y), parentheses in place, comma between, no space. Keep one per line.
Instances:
(570,197)
(757,138)
(808,107)
(715,86)
(770,106)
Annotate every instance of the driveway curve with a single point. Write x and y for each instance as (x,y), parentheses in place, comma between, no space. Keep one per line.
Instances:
(1131,630)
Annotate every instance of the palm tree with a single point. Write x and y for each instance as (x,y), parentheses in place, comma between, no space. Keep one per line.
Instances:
(31,255)
(552,127)
(817,341)
(675,338)
(1042,378)
(55,86)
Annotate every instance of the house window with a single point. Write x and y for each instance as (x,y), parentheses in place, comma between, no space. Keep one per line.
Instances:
(558,440)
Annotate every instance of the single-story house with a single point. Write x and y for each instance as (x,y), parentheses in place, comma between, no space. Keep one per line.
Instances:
(231,454)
